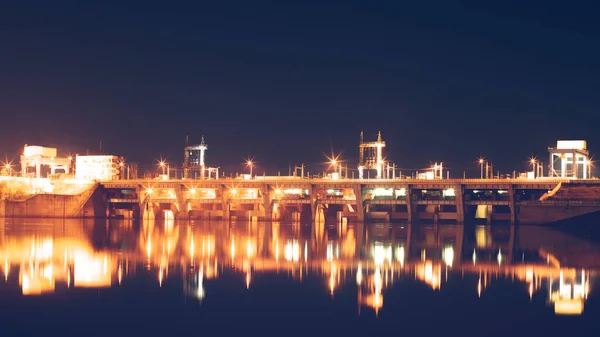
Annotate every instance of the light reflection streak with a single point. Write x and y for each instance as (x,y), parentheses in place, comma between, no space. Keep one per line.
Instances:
(197,254)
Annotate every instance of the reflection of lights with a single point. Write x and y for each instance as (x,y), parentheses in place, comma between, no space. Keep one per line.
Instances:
(292,250)
(332,275)
(381,254)
(305,250)
(35,281)
(120,274)
(378,280)
(91,271)
(448,255)
(249,249)
(530,291)
(481,237)
(248,279)
(192,248)
(359,275)
(429,274)
(160,276)
(200,291)
(569,298)
(329,251)
(474,257)
(529,275)
(149,247)
(400,255)
(500,256)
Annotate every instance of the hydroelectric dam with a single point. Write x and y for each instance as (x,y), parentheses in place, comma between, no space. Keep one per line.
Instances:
(522,201)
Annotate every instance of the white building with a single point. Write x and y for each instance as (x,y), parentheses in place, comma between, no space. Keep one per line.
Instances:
(36,156)
(102,167)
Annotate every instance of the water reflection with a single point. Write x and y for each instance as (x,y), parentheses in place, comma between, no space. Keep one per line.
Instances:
(45,255)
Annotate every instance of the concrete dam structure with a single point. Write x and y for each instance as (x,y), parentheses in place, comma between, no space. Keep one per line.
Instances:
(521,201)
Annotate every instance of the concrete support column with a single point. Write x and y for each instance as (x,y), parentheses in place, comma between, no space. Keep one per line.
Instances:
(182,208)
(513,204)
(139,191)
(313,202)
(460,205)
(267,193)
(409,204)
(224,202)
(360,207)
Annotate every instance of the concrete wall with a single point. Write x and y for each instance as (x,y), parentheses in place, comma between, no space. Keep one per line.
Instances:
(42,205)
(540,214)
(57,206)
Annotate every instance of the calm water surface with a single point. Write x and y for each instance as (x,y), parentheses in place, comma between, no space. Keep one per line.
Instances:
(124,278)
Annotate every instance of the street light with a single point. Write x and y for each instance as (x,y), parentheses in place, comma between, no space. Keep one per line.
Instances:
(533,161)
(335,163)
(162,165)
(249,164)
(481,162)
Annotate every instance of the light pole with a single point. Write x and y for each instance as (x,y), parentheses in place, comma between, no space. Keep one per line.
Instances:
(250,164)
(334,163)
(481,161)
(8,168)
(532,161)
(162,165)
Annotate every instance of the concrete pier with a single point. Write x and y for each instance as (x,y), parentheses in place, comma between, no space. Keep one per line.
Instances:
(358,200)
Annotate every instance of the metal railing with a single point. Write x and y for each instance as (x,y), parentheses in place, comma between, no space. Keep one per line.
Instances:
(356,181)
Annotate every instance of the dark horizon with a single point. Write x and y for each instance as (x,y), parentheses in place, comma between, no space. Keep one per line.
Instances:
(288,83)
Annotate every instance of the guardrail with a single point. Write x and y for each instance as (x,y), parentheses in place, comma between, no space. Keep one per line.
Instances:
(356,181)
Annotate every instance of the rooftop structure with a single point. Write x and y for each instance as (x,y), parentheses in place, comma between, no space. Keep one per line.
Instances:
(36,156)
(371,156)
(570,159)
(194,160)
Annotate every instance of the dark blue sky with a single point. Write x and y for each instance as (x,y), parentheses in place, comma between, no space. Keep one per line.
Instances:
(285,82)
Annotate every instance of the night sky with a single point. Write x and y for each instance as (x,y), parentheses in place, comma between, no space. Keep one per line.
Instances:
(287,82)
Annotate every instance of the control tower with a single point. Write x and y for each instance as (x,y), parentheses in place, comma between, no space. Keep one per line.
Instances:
(371,156)
(193,159)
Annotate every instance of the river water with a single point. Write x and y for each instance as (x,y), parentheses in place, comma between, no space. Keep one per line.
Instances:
(126,278)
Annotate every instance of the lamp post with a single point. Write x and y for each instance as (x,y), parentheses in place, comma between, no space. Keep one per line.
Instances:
(162,165)
(532,161)
(334,163)
(250,164)
(481,161)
